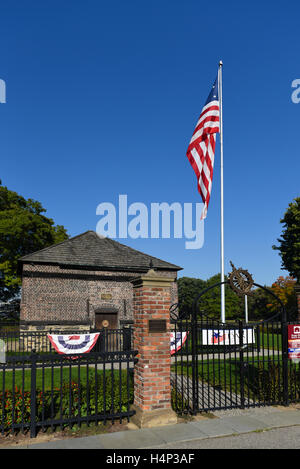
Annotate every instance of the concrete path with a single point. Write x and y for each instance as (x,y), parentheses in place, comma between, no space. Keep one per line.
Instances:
(209,396)
(224,423)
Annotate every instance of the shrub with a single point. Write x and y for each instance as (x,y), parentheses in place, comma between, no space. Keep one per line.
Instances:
(106,397)
(15,408)
(269,383)
(67,401)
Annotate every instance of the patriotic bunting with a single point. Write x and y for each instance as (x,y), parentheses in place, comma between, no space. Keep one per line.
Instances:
(70,344)
(83,343)
(177,341)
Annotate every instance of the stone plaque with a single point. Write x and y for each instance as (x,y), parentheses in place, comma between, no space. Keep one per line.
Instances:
(157,325)
(106,296)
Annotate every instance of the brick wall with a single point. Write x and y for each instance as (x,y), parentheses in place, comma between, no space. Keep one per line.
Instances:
(152,379)
(152,387)
(53,294)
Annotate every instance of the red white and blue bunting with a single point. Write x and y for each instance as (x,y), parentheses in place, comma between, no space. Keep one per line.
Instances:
(177,341)
(83,343)
(70,344)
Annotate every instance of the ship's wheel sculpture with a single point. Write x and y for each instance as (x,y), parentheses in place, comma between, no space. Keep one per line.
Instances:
(241,281)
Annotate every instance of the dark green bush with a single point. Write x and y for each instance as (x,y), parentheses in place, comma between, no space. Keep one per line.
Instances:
(108,396)
(269,383)
(15,407)
(105,397)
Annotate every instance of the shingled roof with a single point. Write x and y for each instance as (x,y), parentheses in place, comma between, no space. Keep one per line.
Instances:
(97,252)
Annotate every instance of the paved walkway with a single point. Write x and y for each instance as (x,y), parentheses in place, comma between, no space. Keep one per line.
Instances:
(225,423)
(209,396)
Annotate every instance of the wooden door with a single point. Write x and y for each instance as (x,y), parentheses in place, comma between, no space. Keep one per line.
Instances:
(107,323)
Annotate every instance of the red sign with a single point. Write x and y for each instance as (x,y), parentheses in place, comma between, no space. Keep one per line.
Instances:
(294,341)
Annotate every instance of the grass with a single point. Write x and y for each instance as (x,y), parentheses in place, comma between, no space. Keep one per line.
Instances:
(64,394)
(270,341)
(51,378)
(226,375)
(215,373)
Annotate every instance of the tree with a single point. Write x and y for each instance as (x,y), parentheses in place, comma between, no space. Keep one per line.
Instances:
(23,230)
(188,289)
(284,288)
(258,304)
(289,243)
(210,302)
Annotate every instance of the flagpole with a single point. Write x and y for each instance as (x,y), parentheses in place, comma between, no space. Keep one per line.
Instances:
(246,309)
(222,195)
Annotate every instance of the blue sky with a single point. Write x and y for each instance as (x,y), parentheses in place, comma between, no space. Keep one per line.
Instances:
(103,97)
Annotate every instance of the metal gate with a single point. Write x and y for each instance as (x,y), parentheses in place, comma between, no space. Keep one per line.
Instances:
(233,365)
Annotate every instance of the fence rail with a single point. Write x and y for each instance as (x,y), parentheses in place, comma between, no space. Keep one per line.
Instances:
(110,340)
(40,391)
(6,326)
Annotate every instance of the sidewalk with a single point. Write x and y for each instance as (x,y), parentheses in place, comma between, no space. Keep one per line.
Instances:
(224,424)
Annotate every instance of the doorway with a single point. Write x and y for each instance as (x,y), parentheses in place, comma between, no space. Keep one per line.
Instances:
(106,322)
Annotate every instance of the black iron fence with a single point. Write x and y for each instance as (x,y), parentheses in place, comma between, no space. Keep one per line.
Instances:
(111,340)
(20,342)
(9,326)
(232,366)
(40,391)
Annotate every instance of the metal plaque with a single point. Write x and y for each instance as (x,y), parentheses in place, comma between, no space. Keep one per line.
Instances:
(157,325)
(106,296)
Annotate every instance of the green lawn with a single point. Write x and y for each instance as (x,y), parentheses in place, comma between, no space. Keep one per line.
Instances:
(53,378)
(271,341)
(216,373)
(262,379)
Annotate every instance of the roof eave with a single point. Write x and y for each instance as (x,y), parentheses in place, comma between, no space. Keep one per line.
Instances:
(171,268)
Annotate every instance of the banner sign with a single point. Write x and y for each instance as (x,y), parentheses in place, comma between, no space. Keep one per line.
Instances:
(227,337)
(70,344)
(294,342)
(177,341)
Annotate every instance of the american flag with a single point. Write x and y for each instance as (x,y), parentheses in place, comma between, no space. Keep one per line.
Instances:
(201,150)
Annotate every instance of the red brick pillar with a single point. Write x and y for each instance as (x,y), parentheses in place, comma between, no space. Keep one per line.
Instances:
(297,290)
(152,388)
